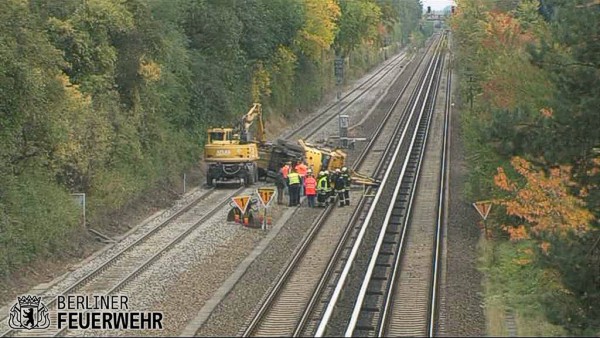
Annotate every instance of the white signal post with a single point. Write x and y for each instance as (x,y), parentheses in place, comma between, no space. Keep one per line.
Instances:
(483,208)
(265,195)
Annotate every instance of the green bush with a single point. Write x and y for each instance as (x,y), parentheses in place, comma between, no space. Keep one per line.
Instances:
(38,218)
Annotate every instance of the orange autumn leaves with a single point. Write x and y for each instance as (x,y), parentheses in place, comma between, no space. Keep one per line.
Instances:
(507,78)
(542,202)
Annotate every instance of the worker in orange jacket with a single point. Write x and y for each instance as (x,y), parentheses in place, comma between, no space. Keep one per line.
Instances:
(310,188)
(301,169)
(284,171)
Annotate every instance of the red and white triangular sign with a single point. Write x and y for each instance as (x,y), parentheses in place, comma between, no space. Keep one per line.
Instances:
(265,195)
(241,202)
(483,208)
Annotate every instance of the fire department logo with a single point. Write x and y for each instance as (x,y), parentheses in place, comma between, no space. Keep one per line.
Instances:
(29,313)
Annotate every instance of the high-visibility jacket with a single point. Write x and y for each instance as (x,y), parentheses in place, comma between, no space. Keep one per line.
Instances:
(310,186)
(323,184)
(285,171)
(301,169)
(293,178)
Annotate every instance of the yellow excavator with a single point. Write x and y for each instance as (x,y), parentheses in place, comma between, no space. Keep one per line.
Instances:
(234,156)
(231,154)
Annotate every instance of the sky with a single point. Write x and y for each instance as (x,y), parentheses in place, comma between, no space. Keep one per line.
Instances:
(436,5)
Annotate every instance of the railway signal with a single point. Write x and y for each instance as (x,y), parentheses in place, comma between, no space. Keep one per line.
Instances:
(338,70)
(483,208)
(265,195)
(241,202)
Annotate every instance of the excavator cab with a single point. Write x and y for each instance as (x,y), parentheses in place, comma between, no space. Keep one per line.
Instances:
(221,136)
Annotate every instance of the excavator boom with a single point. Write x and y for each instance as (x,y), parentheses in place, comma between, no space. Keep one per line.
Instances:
(248,120)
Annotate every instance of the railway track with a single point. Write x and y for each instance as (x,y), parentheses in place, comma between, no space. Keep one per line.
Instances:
(120,269)
(312,126)
(285,310)
(390,273)
(425,256)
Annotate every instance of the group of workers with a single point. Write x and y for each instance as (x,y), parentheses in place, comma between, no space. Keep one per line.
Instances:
(299,180)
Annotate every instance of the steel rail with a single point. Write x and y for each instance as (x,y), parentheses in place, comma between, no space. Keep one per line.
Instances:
(388,294)
(82,281)
(385,69)
(420,318)
(442,211)
(330,307)
(382,234)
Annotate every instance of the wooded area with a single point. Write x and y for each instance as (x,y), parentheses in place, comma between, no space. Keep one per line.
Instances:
(530,79)
(112,97)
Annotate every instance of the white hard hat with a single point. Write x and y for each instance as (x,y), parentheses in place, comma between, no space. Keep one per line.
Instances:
(337,170)
(344,169)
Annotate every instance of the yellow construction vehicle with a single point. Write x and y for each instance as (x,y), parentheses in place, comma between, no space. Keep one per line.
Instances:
(274,155)
(317,158)
(320,158)
(231,153)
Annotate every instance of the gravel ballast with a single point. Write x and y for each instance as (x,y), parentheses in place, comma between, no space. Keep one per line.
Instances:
(463,309)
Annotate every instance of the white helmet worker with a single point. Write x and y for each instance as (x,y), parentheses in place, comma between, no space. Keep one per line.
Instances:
(344,169)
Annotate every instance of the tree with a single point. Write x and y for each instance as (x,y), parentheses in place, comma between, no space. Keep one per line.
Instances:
(543,204)
(320,27)
(358,22)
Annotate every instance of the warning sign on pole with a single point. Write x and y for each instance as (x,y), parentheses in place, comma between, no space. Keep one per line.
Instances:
(266,195)
(483,208)
(241,202)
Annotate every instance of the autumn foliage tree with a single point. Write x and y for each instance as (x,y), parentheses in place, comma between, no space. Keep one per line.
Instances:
(320,27)
(543,203)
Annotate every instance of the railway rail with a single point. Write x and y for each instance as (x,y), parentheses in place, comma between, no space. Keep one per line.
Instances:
(312,126)
(424,295)
(286,309)
(390,271)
